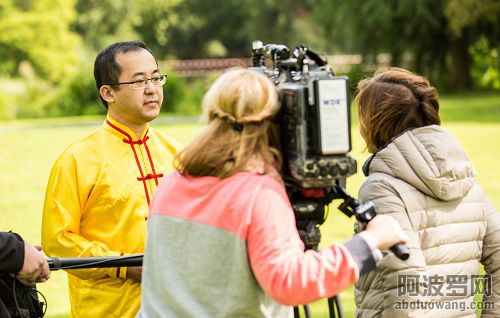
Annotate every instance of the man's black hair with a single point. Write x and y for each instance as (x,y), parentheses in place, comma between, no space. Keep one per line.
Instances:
(106,69)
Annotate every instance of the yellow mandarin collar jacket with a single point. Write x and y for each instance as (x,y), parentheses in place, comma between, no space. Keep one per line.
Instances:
(96,204)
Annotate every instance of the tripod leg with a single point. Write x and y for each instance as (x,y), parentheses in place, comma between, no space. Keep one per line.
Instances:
(334,303)
(339,307)
(331,306)
(307,312)
(296,313)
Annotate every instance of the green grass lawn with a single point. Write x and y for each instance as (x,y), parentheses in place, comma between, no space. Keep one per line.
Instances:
(28,149)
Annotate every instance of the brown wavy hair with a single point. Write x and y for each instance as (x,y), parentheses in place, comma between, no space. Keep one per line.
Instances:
(240,107)
(393,101)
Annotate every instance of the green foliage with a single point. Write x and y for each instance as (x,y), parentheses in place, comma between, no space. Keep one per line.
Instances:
(189,28)
(486,64)
(29,104)
(77,95)
(38,32)
(153,20)
(43,43)
(5,112)
(9,91)
(277,21)
(464,14)
(101,22)
(355,74)
(387,26)
(20,98)
(184,98)
(174,91)
(431,37)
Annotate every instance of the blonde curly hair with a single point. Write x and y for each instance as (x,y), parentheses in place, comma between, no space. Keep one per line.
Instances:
(240,106)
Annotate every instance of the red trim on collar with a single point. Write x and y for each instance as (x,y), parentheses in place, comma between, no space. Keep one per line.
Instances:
(137,142)
(131,142)
(123,132)
(142,141)
(129,139)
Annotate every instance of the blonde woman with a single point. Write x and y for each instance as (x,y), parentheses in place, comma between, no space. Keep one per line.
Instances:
(222,237)
(420,175)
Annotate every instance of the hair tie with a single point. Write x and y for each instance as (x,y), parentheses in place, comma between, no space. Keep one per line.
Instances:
(237,126)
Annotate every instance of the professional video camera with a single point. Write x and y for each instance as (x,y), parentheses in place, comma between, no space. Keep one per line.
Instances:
(315,118)
(315,130)
(315,135)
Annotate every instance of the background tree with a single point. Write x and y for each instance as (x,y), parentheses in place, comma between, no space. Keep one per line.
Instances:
(37,32)
(477,23)
(188,29)
(101,22)
(47,47)
(419,29)
(193,28)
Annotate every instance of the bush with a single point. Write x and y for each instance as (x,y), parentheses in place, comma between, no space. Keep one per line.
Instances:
(30,103)
(76,96)
(9,92)
(6,110)
(183,97)
(355,74)
(19,97)
(485,64)
(191,104)
(174,91)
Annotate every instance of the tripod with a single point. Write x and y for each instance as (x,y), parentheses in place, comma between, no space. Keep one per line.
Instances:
(309,207)
(310,234)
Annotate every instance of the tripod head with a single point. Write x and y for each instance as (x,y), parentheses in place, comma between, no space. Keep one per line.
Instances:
(309,206)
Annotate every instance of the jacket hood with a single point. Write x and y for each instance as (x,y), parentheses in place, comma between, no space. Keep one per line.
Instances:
(429,159)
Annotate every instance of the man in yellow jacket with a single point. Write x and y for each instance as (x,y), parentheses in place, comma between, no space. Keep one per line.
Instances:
(100,187)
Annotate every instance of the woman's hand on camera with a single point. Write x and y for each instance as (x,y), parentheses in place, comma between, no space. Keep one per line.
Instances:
(385,232)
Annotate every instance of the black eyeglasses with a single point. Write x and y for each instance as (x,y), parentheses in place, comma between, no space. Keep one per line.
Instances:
(158,80)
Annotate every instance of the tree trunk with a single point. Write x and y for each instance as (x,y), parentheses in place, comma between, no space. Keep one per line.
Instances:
(460,63)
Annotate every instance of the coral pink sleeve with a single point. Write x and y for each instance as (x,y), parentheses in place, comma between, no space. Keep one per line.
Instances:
(285,272)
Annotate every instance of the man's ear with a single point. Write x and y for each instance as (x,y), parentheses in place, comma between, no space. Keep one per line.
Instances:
(107,93)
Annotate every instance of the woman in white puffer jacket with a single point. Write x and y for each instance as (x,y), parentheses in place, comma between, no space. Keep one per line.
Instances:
(420,175)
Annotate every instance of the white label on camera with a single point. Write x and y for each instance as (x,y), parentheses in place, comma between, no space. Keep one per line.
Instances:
(333,116)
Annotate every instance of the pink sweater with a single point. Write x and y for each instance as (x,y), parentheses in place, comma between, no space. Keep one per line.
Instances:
(229,247)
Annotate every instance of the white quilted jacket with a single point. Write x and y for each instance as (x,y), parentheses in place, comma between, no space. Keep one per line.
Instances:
(425,181)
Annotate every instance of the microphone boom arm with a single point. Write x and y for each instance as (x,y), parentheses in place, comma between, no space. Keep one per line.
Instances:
(56,263)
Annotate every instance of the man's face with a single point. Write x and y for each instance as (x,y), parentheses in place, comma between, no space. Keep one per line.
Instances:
(136,106)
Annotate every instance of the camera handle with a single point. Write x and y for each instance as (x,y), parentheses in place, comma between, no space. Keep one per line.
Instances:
(365,212)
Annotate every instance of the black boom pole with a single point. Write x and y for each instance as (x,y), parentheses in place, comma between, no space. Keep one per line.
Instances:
(56,263)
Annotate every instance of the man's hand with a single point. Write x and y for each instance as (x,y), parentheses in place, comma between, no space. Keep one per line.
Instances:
(134,273)
(35,267)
